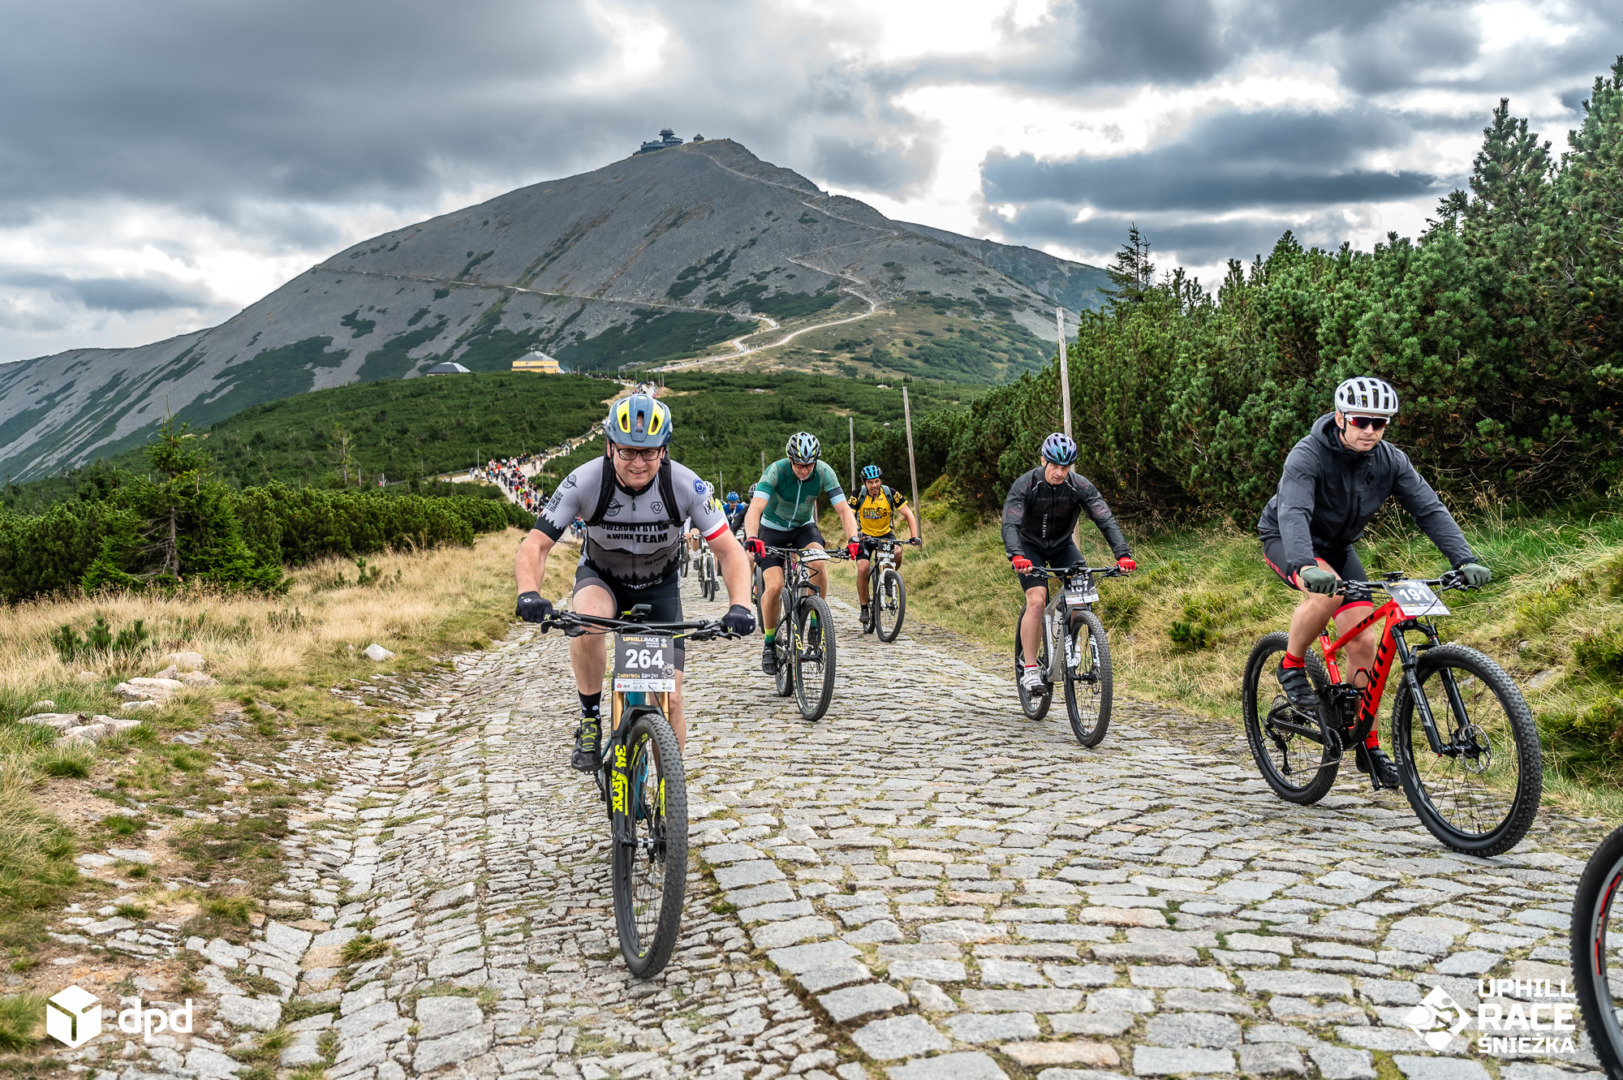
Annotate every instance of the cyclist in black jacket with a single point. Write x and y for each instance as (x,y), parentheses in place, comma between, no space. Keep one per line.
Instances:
(1334,481)
(1039,515)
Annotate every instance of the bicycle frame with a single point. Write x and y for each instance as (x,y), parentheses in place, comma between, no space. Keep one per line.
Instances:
(1392,644)
(1076,582)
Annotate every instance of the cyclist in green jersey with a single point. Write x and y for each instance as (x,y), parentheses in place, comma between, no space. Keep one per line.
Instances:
(780,515)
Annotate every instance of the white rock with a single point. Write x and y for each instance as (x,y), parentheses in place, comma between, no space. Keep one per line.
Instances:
(61,721)
(43,705)
(197,678)
(170,672)
(117,724)
(261,1013)
(375,651)
(86,676)
(185,661)
(89,732)
(140,706)
(148,689)
(131,855)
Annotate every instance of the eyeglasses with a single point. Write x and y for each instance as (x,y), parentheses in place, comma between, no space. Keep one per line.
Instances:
(1373,423)
(632,453)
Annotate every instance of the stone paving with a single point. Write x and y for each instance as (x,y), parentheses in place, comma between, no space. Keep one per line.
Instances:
(922,885)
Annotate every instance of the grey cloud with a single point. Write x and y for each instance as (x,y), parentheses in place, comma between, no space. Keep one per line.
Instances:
(113,294)
(875,165)
(1228,161)
(1136,41)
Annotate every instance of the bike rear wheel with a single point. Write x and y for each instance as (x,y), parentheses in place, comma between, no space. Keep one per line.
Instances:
(1301,768)
(783,644)
(1034,705)
(890,605)
(1600,997)
(1087,685)
(1480,795)
(814,658)
(650,860)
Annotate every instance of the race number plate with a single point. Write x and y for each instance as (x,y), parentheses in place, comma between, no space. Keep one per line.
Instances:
(1416,600)
(1084,590)
(644,662)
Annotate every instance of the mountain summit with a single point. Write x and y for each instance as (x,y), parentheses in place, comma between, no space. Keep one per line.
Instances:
(655,257)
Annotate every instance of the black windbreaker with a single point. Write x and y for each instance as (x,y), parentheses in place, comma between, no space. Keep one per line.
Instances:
(1328,494)
(1045,513)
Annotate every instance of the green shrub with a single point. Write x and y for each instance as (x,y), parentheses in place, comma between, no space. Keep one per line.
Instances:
(1600,655)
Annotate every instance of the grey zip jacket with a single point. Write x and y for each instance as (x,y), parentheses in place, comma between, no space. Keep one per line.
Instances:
(1045,513)
(1328,494)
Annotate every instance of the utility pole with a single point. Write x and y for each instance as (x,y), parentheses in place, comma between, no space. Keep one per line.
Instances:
(1064,370)
(851,424)
(907,417)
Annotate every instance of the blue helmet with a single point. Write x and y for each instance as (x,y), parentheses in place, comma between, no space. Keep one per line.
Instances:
(870,472)
(1059,449)
(639,420)
(732,496)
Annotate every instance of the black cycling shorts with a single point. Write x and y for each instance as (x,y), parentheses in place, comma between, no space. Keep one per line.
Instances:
(803,537)
(1064,554)
(1344,562)
(665,598)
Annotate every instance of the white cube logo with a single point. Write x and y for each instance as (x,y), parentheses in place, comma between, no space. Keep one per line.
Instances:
(73,1017)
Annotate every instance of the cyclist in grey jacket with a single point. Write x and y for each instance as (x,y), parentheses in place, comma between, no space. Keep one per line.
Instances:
(1334,481)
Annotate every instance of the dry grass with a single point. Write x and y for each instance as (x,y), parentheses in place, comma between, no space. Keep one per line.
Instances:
(286,650)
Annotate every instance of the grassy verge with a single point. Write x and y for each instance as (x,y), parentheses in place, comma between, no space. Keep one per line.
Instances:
(1182,626)
(159,787)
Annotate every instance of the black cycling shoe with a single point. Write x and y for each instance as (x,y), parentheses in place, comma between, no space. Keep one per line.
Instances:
(769,659)
(867,623)
(588,754)
(1386,773)
(1298,688)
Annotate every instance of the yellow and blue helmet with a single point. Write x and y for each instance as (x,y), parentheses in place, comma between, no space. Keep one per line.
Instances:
(639,420)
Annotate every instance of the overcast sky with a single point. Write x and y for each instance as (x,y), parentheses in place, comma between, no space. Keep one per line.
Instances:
(164,164)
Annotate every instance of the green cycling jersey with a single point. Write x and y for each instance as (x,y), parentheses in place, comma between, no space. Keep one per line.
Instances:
(789,499)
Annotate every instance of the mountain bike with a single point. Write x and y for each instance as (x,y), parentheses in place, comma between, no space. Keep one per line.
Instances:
(887,599)
(804,641)
(706,561)
(642,782)
(757,585)
(1600,994)
(1073,650)
(1470,767)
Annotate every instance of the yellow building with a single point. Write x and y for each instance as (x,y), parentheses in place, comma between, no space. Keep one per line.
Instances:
(537,361)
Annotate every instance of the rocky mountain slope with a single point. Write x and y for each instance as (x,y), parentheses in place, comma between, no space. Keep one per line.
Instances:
(650,258)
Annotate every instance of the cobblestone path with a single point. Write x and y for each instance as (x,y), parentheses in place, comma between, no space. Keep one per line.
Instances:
(922,885)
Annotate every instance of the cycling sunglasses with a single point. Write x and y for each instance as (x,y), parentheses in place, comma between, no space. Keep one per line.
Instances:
(1374,423)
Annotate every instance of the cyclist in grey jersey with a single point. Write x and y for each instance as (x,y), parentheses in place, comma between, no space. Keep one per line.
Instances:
(633,542)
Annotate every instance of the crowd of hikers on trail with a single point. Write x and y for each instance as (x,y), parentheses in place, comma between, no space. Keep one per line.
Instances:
(509,474)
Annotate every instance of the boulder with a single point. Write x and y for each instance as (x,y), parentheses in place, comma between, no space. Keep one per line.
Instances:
(140,706)
(377,652)
(117,725)
(197,678)
(85,733)
(61,721)
(148,689)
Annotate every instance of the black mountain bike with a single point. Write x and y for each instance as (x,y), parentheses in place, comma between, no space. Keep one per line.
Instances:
(642,782)
(887,599)
(1073,650)
(1463,738)
(805,638)
(1600,993)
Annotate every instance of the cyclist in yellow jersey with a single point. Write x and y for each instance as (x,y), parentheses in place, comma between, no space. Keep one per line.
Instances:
(876,517)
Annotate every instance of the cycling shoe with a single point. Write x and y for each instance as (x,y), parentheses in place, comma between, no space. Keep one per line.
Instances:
(1298,688)
(587,755)
(1385,774)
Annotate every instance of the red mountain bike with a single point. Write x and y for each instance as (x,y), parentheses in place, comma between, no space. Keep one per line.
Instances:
(1470,766)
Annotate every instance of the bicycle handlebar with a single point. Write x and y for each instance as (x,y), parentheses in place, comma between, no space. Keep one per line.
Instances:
(573,623)
(1454,579)
(1074,571)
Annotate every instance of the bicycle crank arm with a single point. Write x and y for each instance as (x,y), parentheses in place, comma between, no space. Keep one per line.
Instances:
(1311,733)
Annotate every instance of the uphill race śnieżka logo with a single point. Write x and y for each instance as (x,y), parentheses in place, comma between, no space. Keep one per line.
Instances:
(1437,1019)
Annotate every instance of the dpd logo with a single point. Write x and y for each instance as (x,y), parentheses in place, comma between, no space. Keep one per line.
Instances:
(1437,1019)
(73,1017)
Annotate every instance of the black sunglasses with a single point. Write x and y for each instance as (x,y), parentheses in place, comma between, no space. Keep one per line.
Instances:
(1374,423)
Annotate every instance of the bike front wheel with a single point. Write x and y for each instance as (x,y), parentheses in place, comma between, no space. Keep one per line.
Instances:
(1479,795)
(1293,751)
(783,644)
(814,658)
(757,587)
(890,605)
(1599,999)
(1087,682)
(1034,705)
(649,804)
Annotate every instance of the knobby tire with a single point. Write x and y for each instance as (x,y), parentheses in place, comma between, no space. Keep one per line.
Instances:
(1087,688)
(814,684)
(1295,771)
(888,587)
(650,873)
(1591,908)
(1035,706)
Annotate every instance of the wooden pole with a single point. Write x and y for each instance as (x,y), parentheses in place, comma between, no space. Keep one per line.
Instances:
(907,417)
(851,425)
(1064,369)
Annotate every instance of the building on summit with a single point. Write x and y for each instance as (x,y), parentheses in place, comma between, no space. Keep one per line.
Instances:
(450,367)
(667,138)
(536,360)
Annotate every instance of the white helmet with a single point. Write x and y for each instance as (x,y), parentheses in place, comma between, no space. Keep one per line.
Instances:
(1367,396)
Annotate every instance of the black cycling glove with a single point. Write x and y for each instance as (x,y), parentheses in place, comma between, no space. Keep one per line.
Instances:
(739,620)
(533,607)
